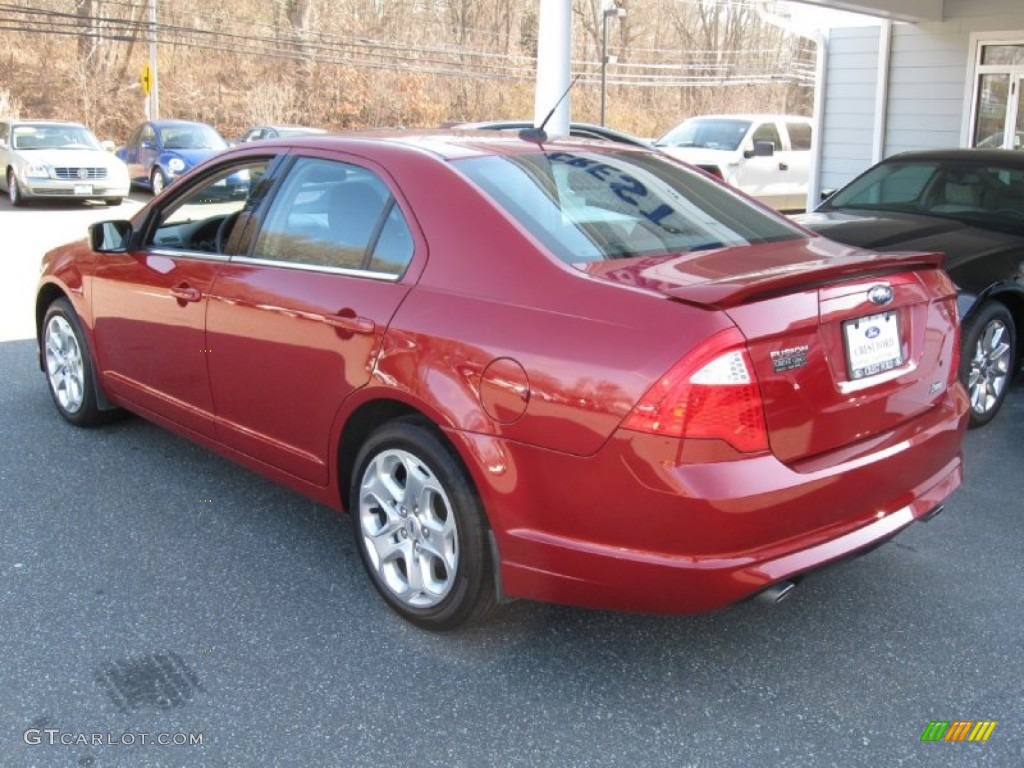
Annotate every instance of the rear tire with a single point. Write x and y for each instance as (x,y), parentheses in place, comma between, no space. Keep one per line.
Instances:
(420,527)
(69,368)
(988,359)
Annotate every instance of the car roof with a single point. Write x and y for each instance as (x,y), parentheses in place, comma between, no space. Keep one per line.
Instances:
(601,131)
(445,145)
(750,116)
(977,156)
(178,122)
(29,121)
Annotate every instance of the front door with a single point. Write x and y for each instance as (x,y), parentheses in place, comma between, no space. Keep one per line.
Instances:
(150,304)
(295,323)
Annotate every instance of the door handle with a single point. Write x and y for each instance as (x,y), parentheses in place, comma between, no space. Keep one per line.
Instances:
(351,323)
(186,293)
(783,167)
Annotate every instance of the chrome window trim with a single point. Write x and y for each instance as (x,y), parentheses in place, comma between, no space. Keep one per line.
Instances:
(184,252)
(347,272)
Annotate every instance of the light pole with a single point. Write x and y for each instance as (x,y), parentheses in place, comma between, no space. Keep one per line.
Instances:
(607,13)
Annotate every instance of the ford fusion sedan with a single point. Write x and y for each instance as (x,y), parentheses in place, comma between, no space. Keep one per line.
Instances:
(57,160)
(574,371)
(159,152)
(969,204)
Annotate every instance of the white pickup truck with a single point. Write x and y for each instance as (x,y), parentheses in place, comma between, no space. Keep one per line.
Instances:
(766,156)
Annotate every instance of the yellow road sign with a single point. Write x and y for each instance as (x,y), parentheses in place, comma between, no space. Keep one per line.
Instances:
(146,79)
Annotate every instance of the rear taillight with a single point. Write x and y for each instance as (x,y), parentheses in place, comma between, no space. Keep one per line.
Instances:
(711,393)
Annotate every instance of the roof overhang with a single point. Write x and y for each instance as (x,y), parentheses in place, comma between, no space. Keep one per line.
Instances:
(897,10)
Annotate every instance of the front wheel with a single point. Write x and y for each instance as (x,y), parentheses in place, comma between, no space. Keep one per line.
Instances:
(114,201)
(989,342)
(69,369)
(157,181)
(420,527)
(14,191)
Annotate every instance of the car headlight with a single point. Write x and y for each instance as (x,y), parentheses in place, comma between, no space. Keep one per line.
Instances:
(37,171)
(176,164)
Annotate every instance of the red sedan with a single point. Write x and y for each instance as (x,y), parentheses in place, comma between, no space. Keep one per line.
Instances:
(575,372)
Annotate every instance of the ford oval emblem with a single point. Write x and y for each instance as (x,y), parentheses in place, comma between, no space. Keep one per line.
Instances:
(872,332)
(880,295)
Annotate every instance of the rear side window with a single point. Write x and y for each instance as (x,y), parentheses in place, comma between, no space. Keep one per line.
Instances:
(335,215)
(587,206)
(799,136)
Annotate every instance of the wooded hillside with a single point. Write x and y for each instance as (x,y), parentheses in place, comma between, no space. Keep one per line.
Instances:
(344,64)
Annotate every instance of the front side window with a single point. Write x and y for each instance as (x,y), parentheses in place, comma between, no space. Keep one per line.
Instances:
(335,215)
(202,218)
(768,132)
(591,206)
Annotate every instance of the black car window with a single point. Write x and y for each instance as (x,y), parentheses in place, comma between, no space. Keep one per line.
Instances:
(202,217)
(335,215)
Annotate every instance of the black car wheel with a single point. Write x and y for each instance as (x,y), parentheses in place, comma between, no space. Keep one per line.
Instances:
(989,353)
(69,369)
(113,201)
(420,527)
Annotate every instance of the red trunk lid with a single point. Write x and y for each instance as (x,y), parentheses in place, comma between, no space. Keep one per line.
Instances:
(846,344)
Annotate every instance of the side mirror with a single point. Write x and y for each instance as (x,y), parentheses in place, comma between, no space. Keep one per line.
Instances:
(108,145)
(761,149)
(110,236)
(147,144)
(826,194)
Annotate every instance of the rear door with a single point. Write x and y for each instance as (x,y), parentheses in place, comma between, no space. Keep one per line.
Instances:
(297,317)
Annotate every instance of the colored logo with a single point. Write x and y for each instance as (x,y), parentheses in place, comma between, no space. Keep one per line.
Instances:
(873,332)
(959,730)
(880,294)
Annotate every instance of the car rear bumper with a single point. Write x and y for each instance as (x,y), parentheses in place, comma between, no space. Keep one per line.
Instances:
(633,528)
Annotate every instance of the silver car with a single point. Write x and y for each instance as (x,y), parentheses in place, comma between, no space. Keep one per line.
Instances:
(50,159)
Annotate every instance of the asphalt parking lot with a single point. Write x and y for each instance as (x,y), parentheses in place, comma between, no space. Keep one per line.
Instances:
(150,587)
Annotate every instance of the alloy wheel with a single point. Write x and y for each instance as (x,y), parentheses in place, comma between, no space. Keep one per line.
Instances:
(990,367)
(408,528)
(64,367)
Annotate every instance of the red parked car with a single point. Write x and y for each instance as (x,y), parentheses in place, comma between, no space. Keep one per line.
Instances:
(574,371)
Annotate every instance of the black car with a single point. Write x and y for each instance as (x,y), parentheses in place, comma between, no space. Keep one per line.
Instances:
(969,204)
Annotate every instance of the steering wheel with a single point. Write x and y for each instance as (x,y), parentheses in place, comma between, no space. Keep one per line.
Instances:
(224,231)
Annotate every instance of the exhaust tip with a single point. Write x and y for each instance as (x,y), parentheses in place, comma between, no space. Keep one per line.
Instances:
(777,592)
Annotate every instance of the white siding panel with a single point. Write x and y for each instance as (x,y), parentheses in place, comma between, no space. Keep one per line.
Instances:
(849,104)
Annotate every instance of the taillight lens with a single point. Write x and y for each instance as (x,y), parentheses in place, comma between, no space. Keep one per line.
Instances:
(711,393)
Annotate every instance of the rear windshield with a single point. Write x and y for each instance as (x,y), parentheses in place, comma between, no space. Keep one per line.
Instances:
(587,206)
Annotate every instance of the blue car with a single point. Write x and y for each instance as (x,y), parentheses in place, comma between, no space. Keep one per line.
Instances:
(160,151)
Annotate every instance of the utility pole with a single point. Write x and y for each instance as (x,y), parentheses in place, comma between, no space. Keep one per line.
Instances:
(607,13)
(154,93)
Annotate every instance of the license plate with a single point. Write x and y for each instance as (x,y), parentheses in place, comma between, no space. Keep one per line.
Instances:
(83,189)
(873,344)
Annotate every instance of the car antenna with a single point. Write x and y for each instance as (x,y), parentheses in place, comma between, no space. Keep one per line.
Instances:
(538,134)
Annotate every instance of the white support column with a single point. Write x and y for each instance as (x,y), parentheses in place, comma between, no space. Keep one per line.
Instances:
(882,92)
(554,53)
